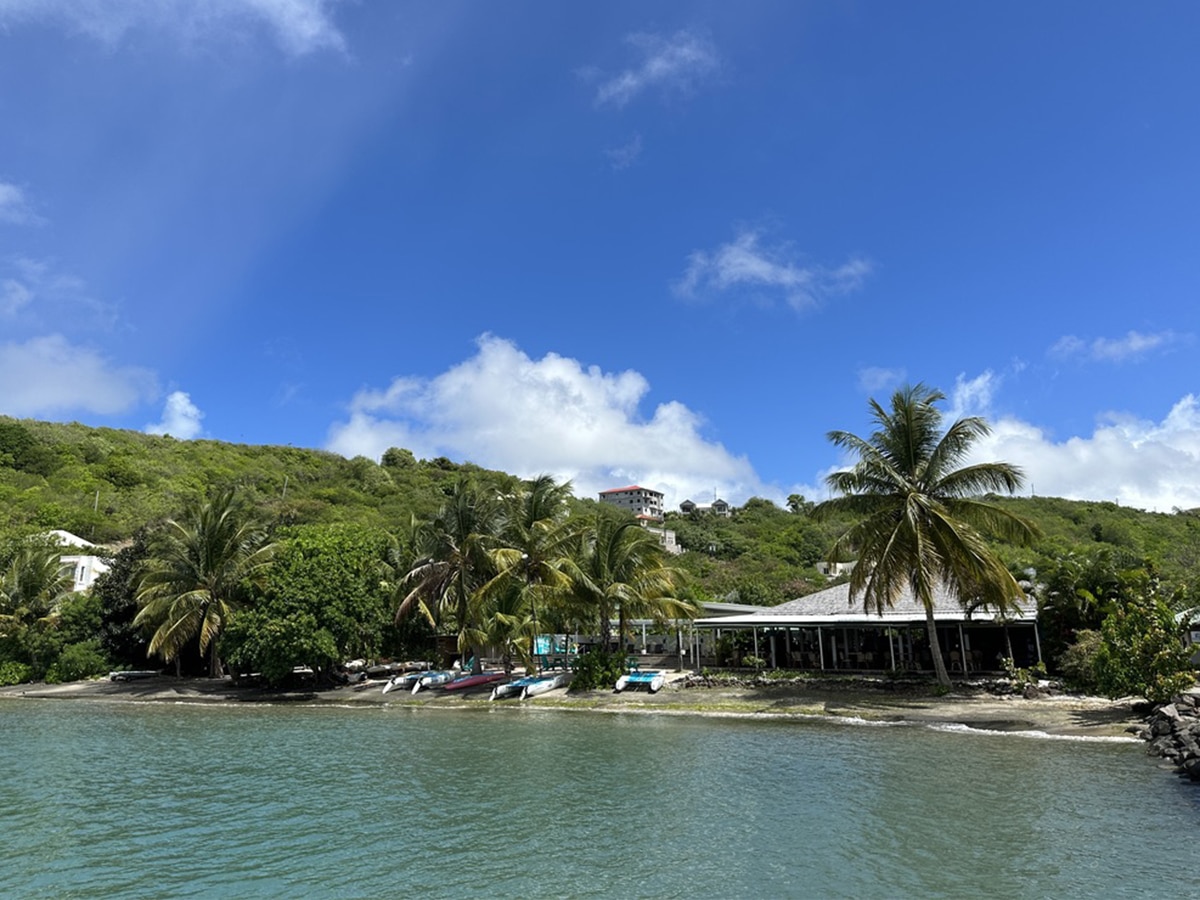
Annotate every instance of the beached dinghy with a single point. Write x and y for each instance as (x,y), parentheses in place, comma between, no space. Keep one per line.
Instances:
(544,683)
(511,688)
(653,681)
(465,682)
(397,682)
(433,679)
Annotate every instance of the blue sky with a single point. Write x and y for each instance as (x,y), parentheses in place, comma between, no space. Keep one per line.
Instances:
(665,243)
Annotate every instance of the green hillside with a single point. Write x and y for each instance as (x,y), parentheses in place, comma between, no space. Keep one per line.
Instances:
(103,484)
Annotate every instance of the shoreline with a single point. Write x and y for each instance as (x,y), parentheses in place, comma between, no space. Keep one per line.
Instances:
(1058,716)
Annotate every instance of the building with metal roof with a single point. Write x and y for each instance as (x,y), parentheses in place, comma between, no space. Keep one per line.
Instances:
(826,630)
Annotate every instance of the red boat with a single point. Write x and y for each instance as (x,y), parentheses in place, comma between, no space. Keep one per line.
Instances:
(472,681)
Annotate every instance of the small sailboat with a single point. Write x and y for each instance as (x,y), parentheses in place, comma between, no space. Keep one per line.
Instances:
(396,682)
(652,681)
(510,688)
(543,683)
(434,679)
(464,682)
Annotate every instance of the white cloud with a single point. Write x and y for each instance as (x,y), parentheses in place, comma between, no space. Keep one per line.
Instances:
(501,409)
(666,64)
(744,263)
(973,396)
(48,376)
(626,155)
(873,379)
(14,297)
(180,418)
(53,296)
(1132,346)
(1128,460)
(15,208)
(299,26)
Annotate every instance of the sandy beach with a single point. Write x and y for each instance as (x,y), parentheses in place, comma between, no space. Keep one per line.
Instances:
(972,707)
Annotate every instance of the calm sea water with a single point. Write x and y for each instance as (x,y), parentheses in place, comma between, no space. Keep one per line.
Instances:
(125,800)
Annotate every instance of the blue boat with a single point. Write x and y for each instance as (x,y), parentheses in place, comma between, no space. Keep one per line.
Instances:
(652,681)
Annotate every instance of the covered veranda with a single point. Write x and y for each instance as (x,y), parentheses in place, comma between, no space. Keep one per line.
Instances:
(824,632)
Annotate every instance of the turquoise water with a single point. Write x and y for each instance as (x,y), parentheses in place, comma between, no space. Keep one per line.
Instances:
(139,800)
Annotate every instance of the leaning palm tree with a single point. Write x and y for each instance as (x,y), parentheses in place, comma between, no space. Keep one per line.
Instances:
(200,570)
(620,570)
(922,515)
(452,563)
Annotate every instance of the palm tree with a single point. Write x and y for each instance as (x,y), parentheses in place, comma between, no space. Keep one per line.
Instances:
(537,538)
(31,590)
(452,563)
(199,571)
(621,569)
(922,516)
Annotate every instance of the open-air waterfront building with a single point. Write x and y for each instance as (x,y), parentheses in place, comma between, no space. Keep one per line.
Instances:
(825,631)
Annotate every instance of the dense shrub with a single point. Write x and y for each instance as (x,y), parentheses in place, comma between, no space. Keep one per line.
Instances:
(1078,662)
(597,669)
(12,672)
(1142,653)
(76,662)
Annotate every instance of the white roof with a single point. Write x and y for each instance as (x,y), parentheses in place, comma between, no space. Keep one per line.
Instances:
(833,606)
(71,540)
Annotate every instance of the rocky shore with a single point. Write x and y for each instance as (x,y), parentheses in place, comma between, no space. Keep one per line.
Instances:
(1173,732)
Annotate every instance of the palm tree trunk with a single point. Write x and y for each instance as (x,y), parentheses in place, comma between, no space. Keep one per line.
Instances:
(215,669)
(935,649)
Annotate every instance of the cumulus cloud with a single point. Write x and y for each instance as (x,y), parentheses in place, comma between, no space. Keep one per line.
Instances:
(48,376)
(1127,459)
(503,410)
(746,264)
(180,418)
(15,208)
(973,396)
(1132,346)
(299,26)
(675,64)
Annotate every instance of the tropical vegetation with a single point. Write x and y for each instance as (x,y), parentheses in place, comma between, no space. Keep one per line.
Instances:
(921,517)
(472,557)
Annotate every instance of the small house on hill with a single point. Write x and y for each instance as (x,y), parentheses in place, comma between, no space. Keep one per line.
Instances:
(85,565)
(717,508)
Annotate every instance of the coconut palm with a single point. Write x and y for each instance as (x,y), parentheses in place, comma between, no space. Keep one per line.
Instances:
(31,590)
(922,515)
(200,570)
(537,537)
(620,569)
(452,563)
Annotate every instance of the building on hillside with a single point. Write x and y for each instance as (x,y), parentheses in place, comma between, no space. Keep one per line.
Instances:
(826,631)
(635,499)
(665,537)
(85,566)
(647,507)
(834,569)
(717,508)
